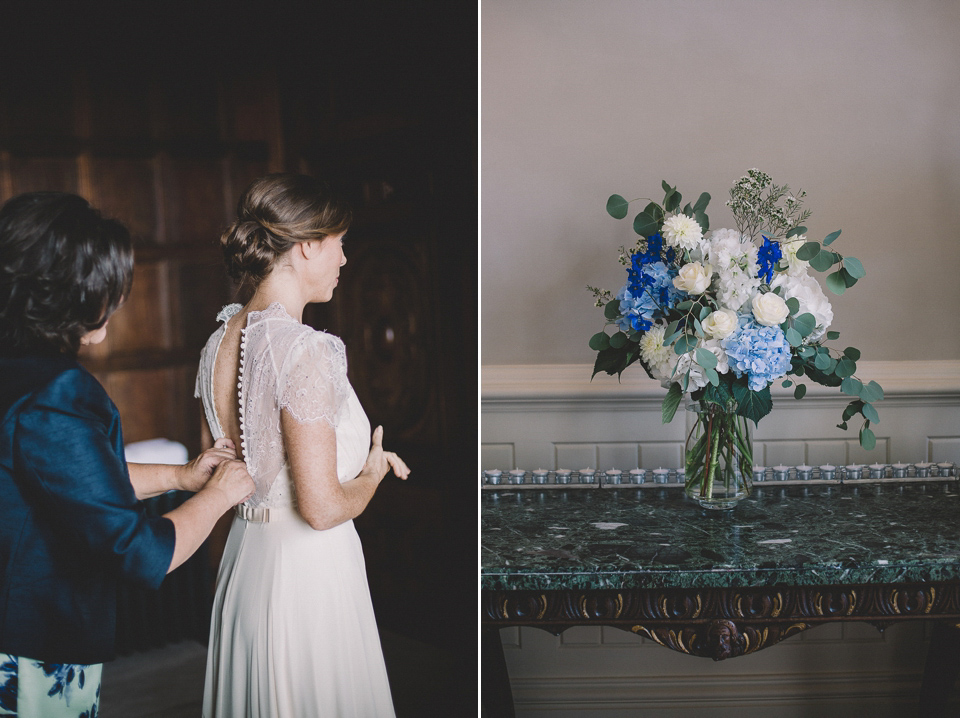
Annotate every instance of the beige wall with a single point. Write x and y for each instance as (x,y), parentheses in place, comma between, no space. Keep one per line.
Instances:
(855,101)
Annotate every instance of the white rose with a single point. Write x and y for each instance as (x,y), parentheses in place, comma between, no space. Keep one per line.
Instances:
(721,323)
(694,278)
(769,309)
(682,231)
(806,290)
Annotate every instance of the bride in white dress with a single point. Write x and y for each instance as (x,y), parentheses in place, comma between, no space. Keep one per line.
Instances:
(293,633)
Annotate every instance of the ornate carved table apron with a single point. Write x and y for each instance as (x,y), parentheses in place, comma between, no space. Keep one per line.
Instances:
(786,560)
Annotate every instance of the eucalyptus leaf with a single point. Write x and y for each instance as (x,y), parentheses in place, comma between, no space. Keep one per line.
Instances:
(793,304)
(796,232)
(870,413)
(835,283)
(854,267)
(833,336)
(805,324)
(824,260)
(871,392)
(800,391)
(702,219)
(808,251)
(851,386)
(828,240)
(706,358)
(617,206)
(645,225)
(612,309)
(845,368)
(712,376)
(867,439)
(848,279)
(702,201)
(672,200)
(822,362)
(786,384)
(684,344)
(654,210)
(618,340)
(852,353)
(794,338)
(599,341)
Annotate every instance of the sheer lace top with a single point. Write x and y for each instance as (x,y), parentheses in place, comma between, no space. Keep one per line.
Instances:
(285,365)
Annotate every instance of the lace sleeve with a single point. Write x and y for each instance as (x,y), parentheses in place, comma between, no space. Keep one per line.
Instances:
(313,380)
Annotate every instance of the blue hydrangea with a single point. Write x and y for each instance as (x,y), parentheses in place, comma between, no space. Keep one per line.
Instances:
(767,257)
(762,353)
(647,295)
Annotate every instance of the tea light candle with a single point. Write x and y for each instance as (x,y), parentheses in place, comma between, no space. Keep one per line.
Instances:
(946,469)
(492,476)
(613,476)
(661,476)
(681,475)
(759,473)
(781,472)
(900,470)
(877,471)
(562,476)
(540,476)
(587,476)
(854,471)
(804,472)
(516,476)
(923,469)
(828,472)
(638,476)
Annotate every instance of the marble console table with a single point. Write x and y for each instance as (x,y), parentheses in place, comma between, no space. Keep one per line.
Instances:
(787,559)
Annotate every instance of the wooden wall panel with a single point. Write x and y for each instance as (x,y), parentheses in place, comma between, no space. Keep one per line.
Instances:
(194,201)
(34,174)
(126,188)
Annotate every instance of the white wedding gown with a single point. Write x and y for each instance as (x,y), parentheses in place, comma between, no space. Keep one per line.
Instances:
(293,633)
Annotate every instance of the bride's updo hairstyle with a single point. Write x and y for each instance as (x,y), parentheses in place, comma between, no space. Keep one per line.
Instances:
(275,212)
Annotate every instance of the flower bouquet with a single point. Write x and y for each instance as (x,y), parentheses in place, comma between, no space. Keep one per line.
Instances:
(718,316)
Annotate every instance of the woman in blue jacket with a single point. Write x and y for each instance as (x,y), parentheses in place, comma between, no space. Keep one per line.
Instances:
(71,523)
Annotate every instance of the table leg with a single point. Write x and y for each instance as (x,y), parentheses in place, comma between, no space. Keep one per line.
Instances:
(941,670)
(496,698)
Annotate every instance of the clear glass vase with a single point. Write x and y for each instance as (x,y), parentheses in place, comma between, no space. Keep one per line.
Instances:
(718,456)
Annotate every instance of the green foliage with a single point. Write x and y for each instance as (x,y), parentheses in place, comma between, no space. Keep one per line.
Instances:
(670,402)
(617,206)
(754,405)
(599,341)
(645,225)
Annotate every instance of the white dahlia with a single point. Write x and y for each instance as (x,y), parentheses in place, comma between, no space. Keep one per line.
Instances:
(682,231)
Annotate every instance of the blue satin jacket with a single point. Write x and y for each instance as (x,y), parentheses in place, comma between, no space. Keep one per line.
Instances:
(70,523)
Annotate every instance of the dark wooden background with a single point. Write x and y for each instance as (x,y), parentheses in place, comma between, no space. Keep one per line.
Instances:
(160,114)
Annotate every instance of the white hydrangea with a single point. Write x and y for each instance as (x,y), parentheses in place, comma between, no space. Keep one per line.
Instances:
(806,290)
(688,362)
(734,259)
(682,231)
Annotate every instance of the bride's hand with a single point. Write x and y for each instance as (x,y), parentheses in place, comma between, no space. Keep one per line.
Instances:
(379,462)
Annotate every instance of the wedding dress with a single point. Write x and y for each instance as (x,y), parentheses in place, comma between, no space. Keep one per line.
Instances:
(293,633)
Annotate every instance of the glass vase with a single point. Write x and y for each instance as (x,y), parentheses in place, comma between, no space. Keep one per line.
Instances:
(718,456)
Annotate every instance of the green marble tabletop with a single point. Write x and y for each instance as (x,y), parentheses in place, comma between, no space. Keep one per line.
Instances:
(623,538)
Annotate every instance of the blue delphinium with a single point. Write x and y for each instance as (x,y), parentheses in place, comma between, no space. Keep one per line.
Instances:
(646,296)
(767,257)
(762,353)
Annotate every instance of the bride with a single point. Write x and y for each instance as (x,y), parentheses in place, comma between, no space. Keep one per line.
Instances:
(293,631)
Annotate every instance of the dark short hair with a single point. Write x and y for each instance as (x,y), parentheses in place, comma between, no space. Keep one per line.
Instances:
(64,269)
(274,213)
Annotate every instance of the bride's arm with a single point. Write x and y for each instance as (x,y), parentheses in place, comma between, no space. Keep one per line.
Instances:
(312,456)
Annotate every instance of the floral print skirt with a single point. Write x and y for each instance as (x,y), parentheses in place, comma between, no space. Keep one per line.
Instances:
(35,689)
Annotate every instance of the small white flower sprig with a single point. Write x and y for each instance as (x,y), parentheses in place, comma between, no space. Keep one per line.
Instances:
(720,315)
